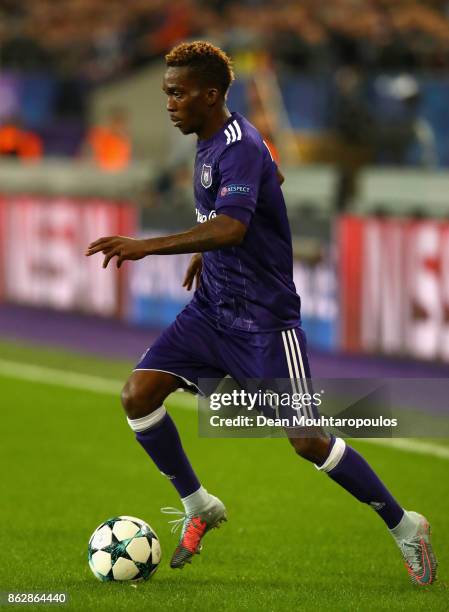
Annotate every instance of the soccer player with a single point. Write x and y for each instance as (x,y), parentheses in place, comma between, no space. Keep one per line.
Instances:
(244,318)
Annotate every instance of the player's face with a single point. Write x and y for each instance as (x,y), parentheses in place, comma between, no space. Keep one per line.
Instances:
(188,102)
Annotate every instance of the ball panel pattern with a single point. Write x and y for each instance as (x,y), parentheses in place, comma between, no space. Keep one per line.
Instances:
(139,549)
(101,561)
(101,537)
(125,569)
(125,530)
(156,552)
(124,548)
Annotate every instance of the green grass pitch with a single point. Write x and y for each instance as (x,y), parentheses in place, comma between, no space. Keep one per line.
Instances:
(294,540)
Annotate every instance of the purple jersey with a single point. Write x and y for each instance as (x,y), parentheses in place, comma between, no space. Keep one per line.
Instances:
(247,287)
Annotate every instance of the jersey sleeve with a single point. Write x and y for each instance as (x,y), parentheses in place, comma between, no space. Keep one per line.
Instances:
(240,168)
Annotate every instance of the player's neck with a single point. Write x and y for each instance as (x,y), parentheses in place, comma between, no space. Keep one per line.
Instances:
(215,123)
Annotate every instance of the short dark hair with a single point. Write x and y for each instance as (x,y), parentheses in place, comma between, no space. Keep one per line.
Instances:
(209,62)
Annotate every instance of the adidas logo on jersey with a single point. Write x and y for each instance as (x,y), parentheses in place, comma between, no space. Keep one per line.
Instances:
(203,218)
(233,132)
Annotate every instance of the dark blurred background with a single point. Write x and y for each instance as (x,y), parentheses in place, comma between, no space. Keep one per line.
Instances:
(352,98)
(351,73)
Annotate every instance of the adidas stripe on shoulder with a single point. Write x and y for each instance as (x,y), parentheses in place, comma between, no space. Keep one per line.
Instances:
(233,132)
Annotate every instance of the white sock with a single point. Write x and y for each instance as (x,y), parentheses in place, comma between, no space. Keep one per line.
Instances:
(406,528)
(148,421)
(196,502)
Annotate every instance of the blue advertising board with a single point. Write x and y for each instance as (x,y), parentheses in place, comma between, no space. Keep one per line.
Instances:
(156,295)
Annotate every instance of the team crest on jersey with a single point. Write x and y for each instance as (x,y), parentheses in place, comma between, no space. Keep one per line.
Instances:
(206,176)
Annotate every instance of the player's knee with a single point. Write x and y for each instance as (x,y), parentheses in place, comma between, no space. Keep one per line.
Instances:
(137,400)
(312,449)
(127,400)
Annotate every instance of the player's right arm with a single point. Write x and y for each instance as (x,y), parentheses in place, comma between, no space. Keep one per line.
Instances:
(216,233)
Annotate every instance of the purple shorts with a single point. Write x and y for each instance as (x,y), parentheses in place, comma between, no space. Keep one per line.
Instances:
(193,348)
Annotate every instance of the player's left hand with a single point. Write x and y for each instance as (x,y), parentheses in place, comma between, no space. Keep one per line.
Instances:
(193,272)
(117,246)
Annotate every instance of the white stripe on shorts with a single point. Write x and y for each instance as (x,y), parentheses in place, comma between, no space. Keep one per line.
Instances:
(291,370)
(301,365)
(289,364)
(297,372)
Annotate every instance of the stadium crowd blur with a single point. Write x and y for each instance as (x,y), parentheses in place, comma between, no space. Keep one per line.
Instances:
(100,38)
(83,43)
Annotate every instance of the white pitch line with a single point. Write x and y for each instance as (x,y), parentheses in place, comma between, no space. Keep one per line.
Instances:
(59,378)
(109,386)
(411,445)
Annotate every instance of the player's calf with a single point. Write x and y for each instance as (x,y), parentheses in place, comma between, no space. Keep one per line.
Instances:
(156,432)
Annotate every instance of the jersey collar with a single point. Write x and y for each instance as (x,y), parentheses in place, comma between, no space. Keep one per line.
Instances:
(204,144)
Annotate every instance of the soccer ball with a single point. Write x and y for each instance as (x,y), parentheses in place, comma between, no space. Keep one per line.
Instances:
(124,548)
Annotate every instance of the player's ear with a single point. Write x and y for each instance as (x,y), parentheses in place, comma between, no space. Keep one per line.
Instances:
(212,96)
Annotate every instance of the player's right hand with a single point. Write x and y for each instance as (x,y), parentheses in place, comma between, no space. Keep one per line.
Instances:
(122,247)
(193,272)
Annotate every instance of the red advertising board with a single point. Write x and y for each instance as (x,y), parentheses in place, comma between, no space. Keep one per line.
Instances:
(394,279)
(43,243)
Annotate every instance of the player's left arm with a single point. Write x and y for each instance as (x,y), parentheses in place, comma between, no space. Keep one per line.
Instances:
(281,177)
(221,231)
